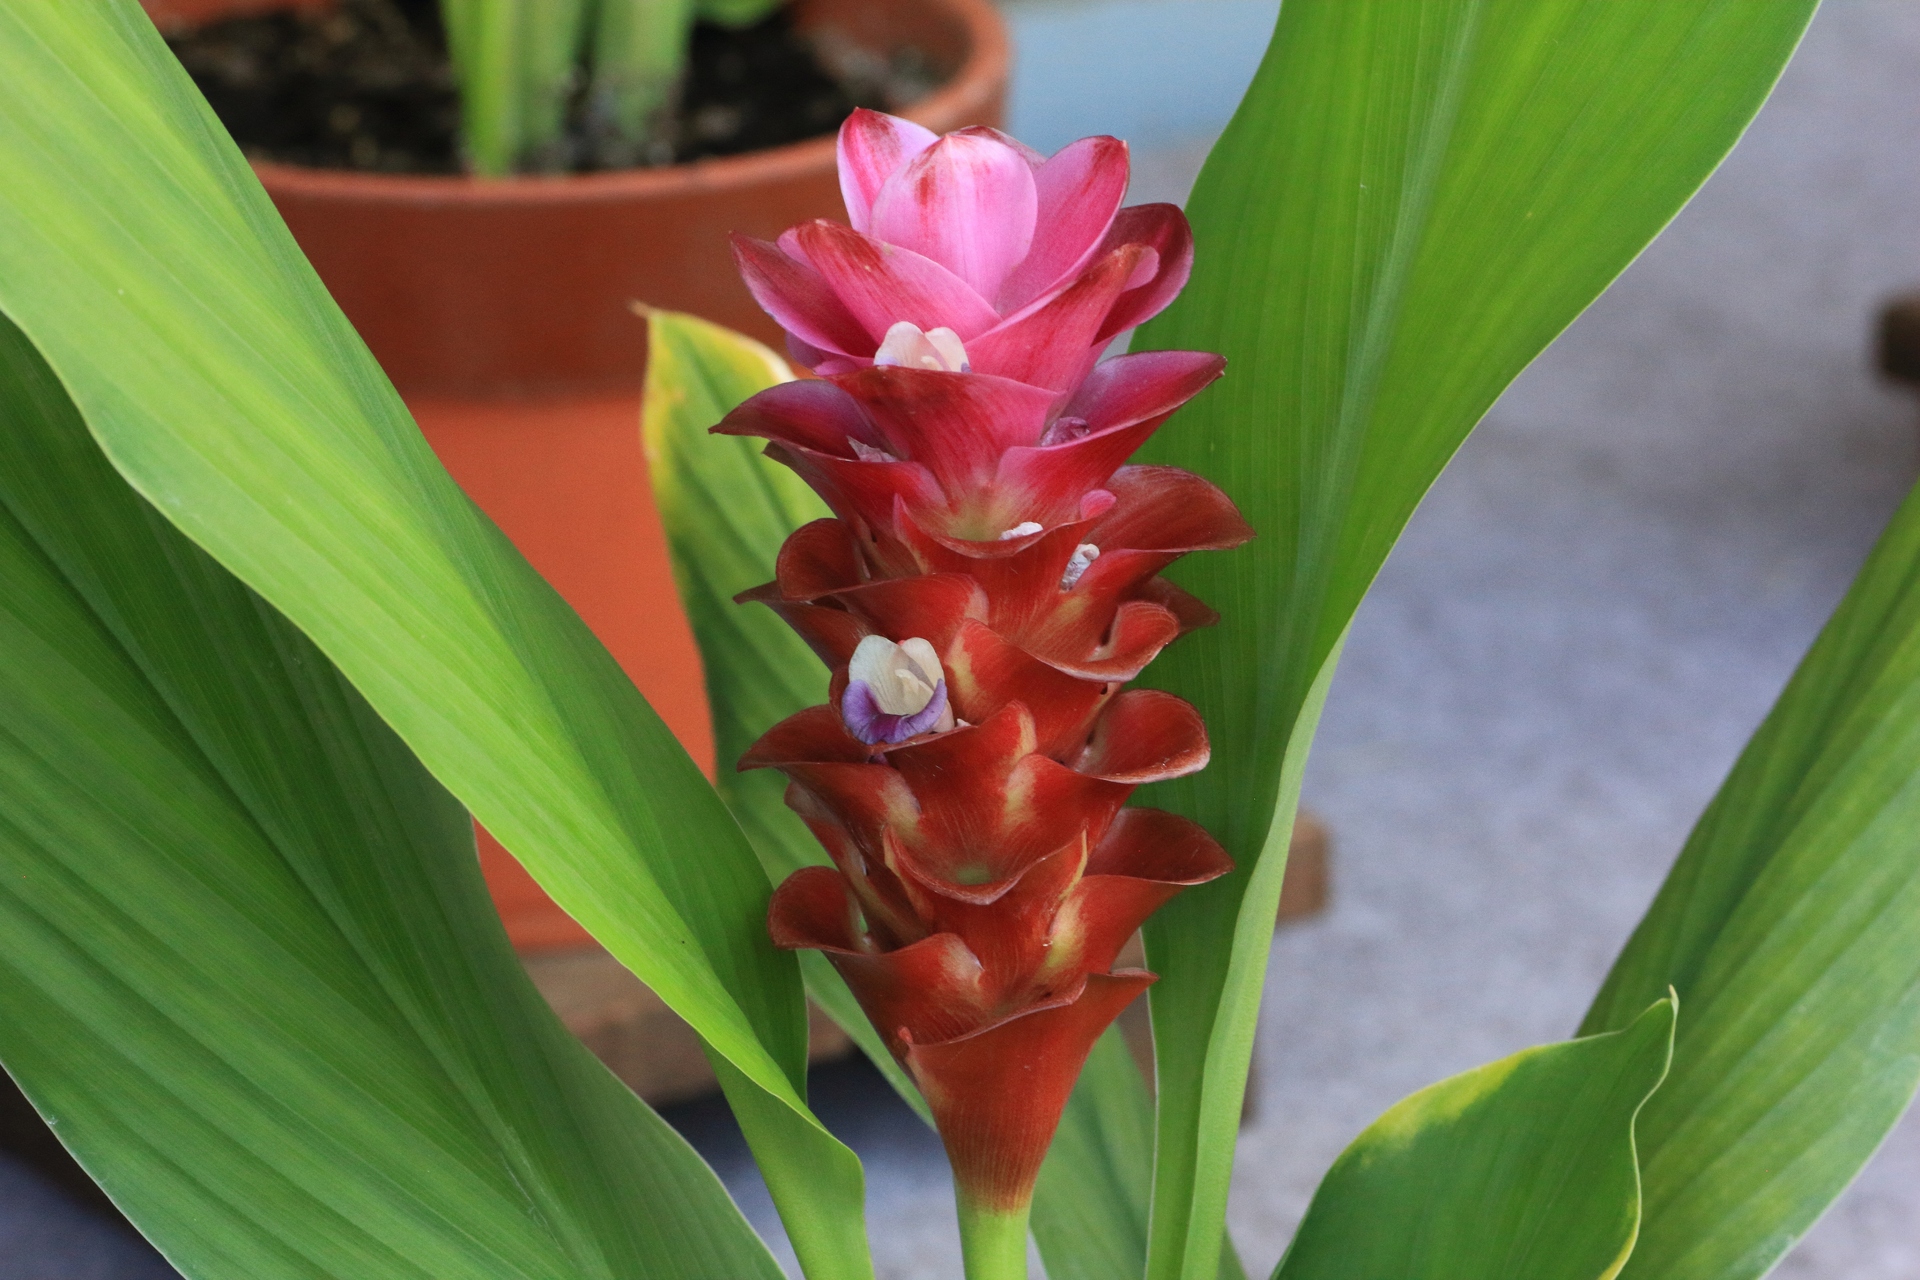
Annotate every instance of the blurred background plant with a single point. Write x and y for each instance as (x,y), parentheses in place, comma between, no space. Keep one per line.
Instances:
(502,87)
(527,67)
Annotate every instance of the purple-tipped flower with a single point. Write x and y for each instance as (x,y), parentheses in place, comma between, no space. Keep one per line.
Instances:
(895,691)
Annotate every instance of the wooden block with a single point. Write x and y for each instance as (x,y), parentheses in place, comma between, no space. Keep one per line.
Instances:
(634,1032)
(1304,892)
(1899,340)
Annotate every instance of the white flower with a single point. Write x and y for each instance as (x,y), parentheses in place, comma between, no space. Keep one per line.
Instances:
(901,676)
(937,349)
(867,453)
(1083,555)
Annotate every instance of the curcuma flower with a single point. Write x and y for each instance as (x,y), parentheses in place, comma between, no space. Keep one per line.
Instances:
(985,590)
(1031,263)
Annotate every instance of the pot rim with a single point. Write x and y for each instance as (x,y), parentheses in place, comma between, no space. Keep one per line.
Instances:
(978,77)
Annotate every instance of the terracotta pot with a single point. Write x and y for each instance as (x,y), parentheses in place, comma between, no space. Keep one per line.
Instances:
(502,311)
(463,286)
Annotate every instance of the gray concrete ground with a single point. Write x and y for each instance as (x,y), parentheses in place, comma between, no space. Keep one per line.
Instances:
(1592,611)
(44,1236)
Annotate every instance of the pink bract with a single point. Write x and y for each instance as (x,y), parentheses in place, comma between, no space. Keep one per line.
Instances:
(1030,261)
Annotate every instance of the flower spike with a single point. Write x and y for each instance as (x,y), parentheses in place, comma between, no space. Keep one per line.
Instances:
(985,589)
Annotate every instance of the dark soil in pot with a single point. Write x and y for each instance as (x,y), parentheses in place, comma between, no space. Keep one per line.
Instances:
(368,86)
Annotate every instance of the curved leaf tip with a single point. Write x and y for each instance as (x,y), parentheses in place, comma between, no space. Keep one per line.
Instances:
(1522,1169)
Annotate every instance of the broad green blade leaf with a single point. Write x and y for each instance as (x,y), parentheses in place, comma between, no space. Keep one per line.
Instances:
(1519,1170)
(1411,202)
(248,968)
(518,63)
(639,57)
(726,509)
(1090,1207)
(1791,927)
(141,258)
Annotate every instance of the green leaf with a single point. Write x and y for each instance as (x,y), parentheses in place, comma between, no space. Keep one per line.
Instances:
(639,58)
(1090,1206)
(141,258)
(1791,927)
(248,968)
(1519,1170)
(1411,202)
(518,63)
(726,510)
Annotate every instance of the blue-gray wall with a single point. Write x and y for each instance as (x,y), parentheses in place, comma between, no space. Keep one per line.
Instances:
(1151,71)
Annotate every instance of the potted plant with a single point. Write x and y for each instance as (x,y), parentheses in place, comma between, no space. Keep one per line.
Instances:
(501,305)
(262,656)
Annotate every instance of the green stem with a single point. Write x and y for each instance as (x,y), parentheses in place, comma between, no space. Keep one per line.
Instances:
(639,55)
(994,1242)
(517,62)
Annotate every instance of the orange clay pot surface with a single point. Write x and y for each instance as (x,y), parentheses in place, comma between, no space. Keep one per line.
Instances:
(502,310)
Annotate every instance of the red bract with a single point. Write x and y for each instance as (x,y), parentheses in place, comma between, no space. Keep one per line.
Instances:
(987,585)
